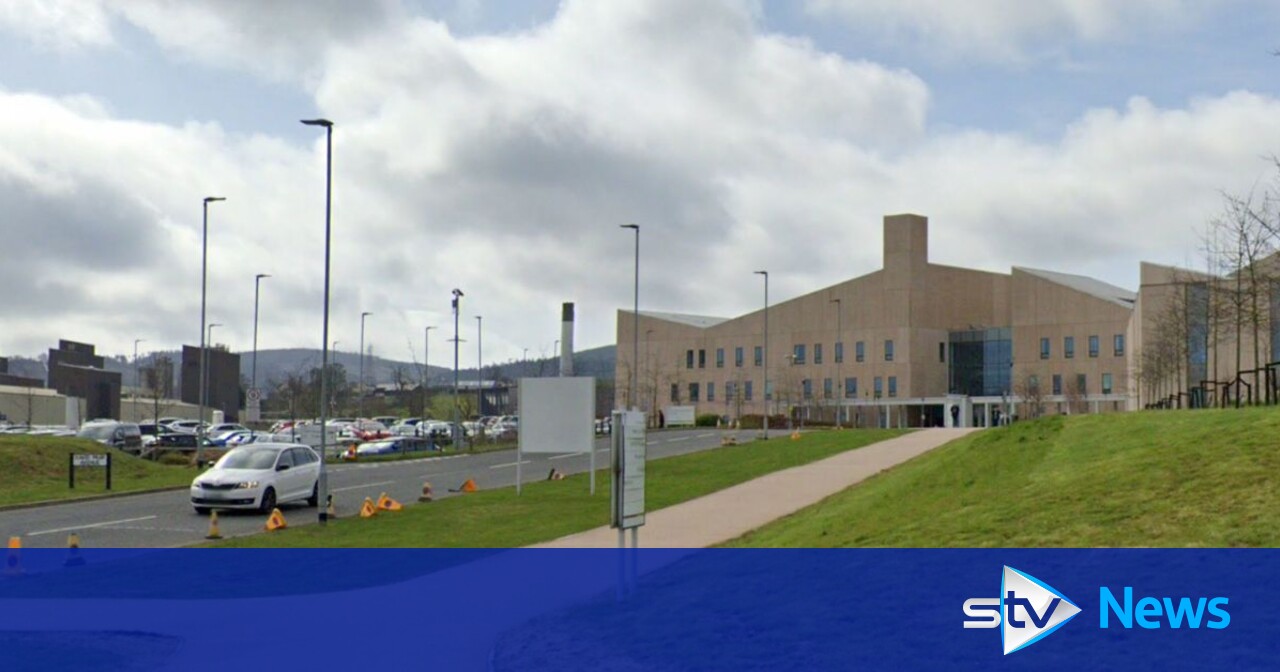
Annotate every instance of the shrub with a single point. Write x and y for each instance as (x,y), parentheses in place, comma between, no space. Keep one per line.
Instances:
(706,420)
(756,421)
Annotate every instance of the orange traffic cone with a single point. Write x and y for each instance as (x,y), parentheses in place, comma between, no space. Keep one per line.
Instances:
(468,485)
(426,492)
(276,521)
(74,559)
(368,510)
(13,563)
(385,503)
(555,475)
(332,511)
(795,436)
(214,532)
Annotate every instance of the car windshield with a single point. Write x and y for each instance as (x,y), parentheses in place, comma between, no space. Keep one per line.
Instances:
(249,459)
(96,432)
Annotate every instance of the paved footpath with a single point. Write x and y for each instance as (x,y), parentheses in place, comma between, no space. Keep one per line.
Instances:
(732,512)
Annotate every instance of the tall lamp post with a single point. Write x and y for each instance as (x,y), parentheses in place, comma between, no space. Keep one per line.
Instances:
(840,359)
(360,387)
(635,323)
(204,292)
(426,367)
(479,365)
(457,429)
(257,290)
(766,351)
(137,376)
(322,483)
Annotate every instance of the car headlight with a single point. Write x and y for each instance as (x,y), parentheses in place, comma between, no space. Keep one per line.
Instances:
(247,484)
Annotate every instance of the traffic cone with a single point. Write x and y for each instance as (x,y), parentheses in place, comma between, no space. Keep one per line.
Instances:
(468,485)
(331,512)
(426,492)
(555,475)
(795,436)
(214,532)
(350,456)
(276,521)
(368,510)
(74,559)
(385,503)
(13,564)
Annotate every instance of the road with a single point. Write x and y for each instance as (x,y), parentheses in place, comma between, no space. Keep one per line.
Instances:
(166,519)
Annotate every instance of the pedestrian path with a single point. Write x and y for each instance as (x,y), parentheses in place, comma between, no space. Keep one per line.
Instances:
(734,511)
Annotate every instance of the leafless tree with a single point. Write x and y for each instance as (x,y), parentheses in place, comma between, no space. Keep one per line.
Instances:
(1032,394)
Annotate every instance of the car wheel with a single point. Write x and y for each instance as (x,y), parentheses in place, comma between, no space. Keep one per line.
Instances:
(202,510)
(314,499)
(268,501)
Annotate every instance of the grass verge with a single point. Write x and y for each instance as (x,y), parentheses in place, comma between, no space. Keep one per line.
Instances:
(548,510)
(34,469)
(1160,478)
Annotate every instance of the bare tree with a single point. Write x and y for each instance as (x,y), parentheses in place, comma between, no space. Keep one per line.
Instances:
(1032,394)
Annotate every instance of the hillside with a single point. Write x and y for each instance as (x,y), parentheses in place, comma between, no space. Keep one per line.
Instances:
(1153,478)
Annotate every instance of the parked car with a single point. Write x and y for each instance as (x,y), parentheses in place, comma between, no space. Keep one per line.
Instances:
(188,426)
(387,420)
(365,430)
(259,476)
(123,435)
(176,440)
(406,427)
(220,428)
(394,446)
(231,438)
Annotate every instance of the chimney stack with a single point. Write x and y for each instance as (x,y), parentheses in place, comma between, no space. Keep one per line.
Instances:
(566,340)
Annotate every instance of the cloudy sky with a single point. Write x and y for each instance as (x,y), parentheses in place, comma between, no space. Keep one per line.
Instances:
(496,147)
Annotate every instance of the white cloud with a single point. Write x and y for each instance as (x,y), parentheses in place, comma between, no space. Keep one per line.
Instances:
(58,24)
(1008,30)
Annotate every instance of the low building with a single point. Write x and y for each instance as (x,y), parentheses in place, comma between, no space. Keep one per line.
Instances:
(224,392)
(75,370)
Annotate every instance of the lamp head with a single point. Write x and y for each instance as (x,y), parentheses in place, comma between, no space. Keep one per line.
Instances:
(318,122)
(261,276)
(764,273)
(214,199)
(631,226)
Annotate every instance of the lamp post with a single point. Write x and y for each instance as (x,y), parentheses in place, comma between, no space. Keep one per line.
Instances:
(479,365)
(201,430)
(137,377)
(457,429)
(204,292)
(840,359)
(328,401)
(635,324)
(360,387)
(257,290)
(426,366)
(766,351)
(322,483)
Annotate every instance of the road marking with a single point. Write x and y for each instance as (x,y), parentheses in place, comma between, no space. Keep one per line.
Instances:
(683,438)
(567,455)
(85,527)
(511,464)
(357,487)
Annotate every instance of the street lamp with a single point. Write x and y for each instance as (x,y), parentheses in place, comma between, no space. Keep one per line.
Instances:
(204,292)
(457,429)
(360,387)
(426,367)
(137,377)
(840,359)
(635,323)
(479,365)
(257,289)
(766,351)
(322,483)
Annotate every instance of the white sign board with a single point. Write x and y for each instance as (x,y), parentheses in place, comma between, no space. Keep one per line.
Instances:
(675,416)
(89,460)
(628,469)
(557,415)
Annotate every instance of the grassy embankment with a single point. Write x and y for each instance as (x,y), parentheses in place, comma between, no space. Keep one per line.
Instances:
(34,469)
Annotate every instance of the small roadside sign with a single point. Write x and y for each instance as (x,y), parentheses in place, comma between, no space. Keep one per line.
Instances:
(91,460)
(628,469)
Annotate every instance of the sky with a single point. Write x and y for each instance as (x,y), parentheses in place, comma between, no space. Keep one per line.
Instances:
(496,147)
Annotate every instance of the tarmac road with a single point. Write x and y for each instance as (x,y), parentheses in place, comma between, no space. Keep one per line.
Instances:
(166,519)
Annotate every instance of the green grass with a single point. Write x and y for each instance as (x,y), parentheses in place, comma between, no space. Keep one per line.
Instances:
(551,509)
(1155,478)
(482,447)
(34,469)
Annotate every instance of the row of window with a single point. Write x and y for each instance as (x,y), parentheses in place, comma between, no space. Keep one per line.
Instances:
(1069,346)
(798,355)
(695,390)
(1082,383)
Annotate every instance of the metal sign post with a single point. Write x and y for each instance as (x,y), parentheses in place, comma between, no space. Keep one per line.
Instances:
(627,493)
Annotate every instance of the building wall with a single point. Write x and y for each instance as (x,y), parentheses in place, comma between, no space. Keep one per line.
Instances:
(223,375)
(35,406)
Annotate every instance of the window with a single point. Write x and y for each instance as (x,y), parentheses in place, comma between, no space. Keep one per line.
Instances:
(850,388)
(693,392)
(730,391)
(711,391)
(688,359)
(827,388)
(893,386)
(1118,341)
(759,355)
(719,358)
(839,352)
(675,393)
(1093,346)
(1057,383)
(737,357)
(1044,348)
(797,354)
(888,351)
(747,391)
(286,458)
(1082,386)
(1106,383)
(878,387)
(942,353)
(817,353)
(702,359)
(859,351)
(807,386)
(1069,347)
(768,390)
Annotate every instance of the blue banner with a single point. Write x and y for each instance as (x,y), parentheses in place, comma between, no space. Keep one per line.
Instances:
(720,609)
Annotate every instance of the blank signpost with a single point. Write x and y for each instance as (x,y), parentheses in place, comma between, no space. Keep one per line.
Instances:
(627,493)
(557,415)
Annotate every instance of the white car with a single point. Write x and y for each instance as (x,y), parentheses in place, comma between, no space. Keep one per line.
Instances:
(258,476)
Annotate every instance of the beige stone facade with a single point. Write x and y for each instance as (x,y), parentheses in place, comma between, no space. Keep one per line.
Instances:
(901,345)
